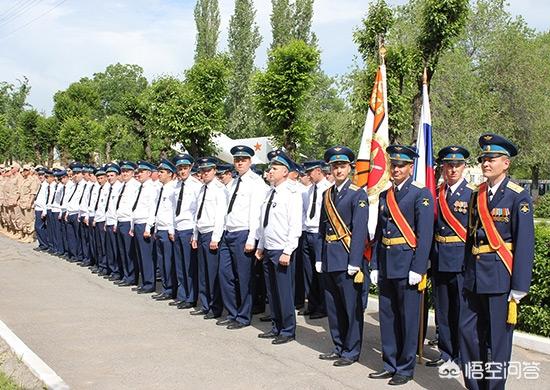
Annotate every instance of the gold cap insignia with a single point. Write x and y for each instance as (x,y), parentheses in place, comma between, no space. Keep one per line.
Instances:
(338,149)
(454,148)
(398,148)
(487,137)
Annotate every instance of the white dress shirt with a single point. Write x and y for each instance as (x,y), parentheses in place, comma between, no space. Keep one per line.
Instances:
(166,207)
(53,189)
(93,199)
(126,200)
(110,214)
(311,225)
(99,213)
(285,219)
(73,203)
(85,198)
(69,188)
(245,214)
(185,220)
(213,210)
(493,190)
(59,193)
(146,204)
(41,197)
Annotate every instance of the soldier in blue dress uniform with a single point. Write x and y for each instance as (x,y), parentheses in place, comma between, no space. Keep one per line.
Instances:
(498,267)
(453,198)
(343,226)
(400,257)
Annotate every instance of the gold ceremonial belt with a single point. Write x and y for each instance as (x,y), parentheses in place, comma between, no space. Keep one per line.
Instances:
(394,241)
(476,250)
(447,239)
(332,237)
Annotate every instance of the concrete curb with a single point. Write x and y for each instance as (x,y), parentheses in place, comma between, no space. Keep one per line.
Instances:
(521,339)
(37,366)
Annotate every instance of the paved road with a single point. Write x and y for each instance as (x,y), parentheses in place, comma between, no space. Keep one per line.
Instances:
(99,336)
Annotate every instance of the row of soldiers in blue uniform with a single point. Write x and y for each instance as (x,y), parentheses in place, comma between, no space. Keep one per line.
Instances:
(208,239)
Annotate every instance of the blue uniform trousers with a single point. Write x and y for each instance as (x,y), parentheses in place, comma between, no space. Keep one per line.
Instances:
(92,248)
(100,242)
(49,231)
(84,239)
(236,281)
(185,261)
(299,260)
(447,294)
(73,234)
(40,229)
(57,234)
(482,325)
(126,252)
(209,282)
(165,256)
(345,313)
(111,250)
(399,306)
(64,241)
(144,253)
(311,252)
(283,316)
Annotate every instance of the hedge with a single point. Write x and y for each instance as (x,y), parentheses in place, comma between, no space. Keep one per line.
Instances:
(542,207)
(534,310)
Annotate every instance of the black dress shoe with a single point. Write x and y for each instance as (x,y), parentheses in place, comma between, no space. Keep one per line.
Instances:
(117,282)
(316,316)
(398,379)
(113,278)
(282,339)
(125,284)
(329,356)
(265,318)
(382,374)
(236,325)
(258,310)
(198,312)
(268,335)
(142,291)
(342,362)
(211,316)
(175,303)
(162,297)
(435,363)
(136,288)
(224,322)
(185,305)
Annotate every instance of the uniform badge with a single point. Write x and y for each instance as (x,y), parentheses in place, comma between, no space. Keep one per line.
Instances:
(362,203)
(426,202)
(460,206)
(524,207)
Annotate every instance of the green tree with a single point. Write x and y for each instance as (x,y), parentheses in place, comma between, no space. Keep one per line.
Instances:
(283,90)
(207,20)
(303,16)
(78,138)
(47,133)
(244,39)
(282,24)
(12,106)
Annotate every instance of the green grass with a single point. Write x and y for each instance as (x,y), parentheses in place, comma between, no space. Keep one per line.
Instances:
(7,384)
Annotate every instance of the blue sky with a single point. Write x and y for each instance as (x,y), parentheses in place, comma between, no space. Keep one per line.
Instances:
(55,42)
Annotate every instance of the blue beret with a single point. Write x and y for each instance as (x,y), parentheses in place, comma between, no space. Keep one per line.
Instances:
(112,167)
(222,168)
(402,153)
(184,159)
(206,162)
(494,145)
(242,151)
(128,166)
(453,153)
(146,166)
(339,154)
(310,165)
(281,158)
(166,165)
(76,167)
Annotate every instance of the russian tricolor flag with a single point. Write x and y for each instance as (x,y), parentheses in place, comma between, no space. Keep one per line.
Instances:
(424,167)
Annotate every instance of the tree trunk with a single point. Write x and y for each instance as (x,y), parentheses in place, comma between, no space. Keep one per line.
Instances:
(108,151)
(535,173)
(50,156)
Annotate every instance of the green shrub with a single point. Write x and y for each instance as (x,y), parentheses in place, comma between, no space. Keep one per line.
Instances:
(542,207)
(534,312)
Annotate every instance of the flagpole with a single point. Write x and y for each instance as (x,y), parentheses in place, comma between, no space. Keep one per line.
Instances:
(422,293)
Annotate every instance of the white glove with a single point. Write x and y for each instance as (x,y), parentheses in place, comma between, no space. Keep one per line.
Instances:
(516,295)
(374,277)
(414,278)
(352,270)
(319,267)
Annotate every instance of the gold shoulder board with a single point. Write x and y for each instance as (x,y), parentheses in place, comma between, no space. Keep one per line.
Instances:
(472,186)
(514,187)
(353,187)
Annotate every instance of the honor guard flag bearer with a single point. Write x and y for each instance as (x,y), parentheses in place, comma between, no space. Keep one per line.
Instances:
(372,165)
